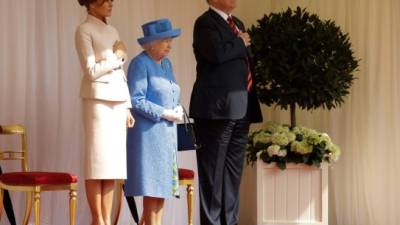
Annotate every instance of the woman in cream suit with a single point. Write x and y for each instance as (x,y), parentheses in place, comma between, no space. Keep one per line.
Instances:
(106,104)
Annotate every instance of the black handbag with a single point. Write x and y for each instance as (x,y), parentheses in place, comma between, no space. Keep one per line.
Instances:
(186,134)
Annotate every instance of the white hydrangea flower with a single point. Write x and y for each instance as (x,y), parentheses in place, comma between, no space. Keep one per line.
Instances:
(262,137)
(273,127)
(291,136)
(273,150)
(282,153)
(325,138)
(279,139)
(334,153)
(301,147)
(325,135)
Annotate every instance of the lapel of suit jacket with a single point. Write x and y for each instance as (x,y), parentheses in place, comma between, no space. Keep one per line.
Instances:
(224,24)
(241,27)
(238,23)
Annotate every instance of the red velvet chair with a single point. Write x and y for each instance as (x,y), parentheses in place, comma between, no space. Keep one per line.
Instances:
(33,183)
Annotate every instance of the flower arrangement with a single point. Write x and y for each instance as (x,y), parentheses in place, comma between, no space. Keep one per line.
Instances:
(282,144)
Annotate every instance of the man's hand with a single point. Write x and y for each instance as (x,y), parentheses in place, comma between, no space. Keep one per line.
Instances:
(245,37)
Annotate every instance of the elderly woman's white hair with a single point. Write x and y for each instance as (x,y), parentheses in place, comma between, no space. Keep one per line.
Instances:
(148,46)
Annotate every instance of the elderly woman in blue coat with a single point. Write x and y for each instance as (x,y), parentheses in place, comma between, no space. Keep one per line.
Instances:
(152,142)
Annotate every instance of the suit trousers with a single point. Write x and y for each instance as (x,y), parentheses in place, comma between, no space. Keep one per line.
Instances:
(220,160)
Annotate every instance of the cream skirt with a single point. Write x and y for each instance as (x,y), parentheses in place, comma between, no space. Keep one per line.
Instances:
(105,139)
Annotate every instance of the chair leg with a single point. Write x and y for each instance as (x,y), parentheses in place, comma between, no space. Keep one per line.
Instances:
(72,206)
(28,208)
(36,199)
(119,202)
(190,203)
(1,201)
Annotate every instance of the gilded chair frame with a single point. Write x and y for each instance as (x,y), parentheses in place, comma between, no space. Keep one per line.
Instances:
(33,193)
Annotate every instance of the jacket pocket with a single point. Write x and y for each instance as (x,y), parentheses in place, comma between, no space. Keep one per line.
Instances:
(103,79)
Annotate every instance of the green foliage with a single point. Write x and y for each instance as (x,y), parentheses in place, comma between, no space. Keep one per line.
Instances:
(303,60)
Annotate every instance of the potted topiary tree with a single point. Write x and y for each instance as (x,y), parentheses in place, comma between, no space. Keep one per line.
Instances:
(301,62)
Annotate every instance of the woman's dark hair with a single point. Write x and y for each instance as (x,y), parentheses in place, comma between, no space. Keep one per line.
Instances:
(86,3)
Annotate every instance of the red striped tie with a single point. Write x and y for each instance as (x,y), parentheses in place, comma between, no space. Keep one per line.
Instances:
(249,75)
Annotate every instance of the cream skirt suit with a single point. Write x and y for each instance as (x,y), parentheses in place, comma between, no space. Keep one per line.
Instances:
(105,100)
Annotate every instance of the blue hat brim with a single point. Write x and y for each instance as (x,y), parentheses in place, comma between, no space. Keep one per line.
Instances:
(168,34)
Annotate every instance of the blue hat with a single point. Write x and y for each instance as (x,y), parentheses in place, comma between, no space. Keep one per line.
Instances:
(158,29)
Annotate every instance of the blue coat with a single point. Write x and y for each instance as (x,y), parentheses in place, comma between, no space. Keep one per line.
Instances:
(152,142)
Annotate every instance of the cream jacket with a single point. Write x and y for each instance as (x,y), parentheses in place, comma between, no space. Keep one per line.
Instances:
(103,76)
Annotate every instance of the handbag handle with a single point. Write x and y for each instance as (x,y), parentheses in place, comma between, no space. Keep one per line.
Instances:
(190,128)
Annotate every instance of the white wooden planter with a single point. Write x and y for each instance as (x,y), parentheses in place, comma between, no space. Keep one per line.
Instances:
(295,196)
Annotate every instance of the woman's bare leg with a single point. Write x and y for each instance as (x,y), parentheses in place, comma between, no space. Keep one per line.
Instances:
(107,194)
(94,197)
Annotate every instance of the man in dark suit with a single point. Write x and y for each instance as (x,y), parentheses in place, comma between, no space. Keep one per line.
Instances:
(223,104)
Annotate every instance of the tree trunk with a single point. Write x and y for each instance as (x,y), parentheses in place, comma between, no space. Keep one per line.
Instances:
(293,115)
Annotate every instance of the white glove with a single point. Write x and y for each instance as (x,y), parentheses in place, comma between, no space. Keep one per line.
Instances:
(170,115)
(179,111)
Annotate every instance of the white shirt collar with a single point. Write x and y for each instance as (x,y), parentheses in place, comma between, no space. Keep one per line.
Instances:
(221,13)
